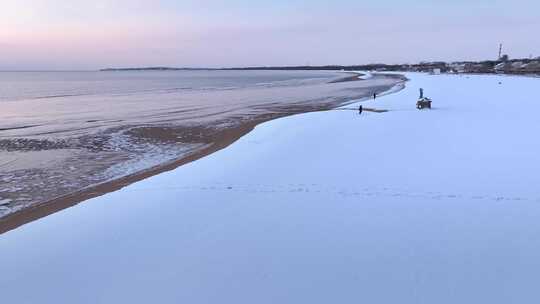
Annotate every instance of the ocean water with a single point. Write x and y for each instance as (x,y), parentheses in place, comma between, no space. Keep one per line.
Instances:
(39,85)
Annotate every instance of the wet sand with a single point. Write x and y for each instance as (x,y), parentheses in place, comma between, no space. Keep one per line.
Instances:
(87,147)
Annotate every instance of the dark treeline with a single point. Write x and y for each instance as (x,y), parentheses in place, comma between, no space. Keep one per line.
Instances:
(320,68)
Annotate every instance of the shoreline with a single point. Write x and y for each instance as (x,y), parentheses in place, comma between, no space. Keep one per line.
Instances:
(40,210)
(214,139)
(363,198)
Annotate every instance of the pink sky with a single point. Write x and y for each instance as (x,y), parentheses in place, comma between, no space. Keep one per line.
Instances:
(62,34)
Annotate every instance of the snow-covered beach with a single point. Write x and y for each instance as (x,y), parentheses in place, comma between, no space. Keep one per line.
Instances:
(405,206)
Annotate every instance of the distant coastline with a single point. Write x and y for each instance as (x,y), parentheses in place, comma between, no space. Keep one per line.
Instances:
(523,66)
(260,68)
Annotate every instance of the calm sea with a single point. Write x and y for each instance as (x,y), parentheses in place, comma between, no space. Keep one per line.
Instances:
(37,85)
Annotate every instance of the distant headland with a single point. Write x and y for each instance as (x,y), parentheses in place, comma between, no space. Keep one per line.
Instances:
(152,69)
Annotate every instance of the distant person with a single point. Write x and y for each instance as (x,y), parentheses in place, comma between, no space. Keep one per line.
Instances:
(375,95)
(360,109)
(421,93)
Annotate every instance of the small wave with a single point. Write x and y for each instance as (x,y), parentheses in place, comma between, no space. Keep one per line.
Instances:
(58,96)
(17,128)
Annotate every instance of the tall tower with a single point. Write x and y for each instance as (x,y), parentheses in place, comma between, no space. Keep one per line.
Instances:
(500,51)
